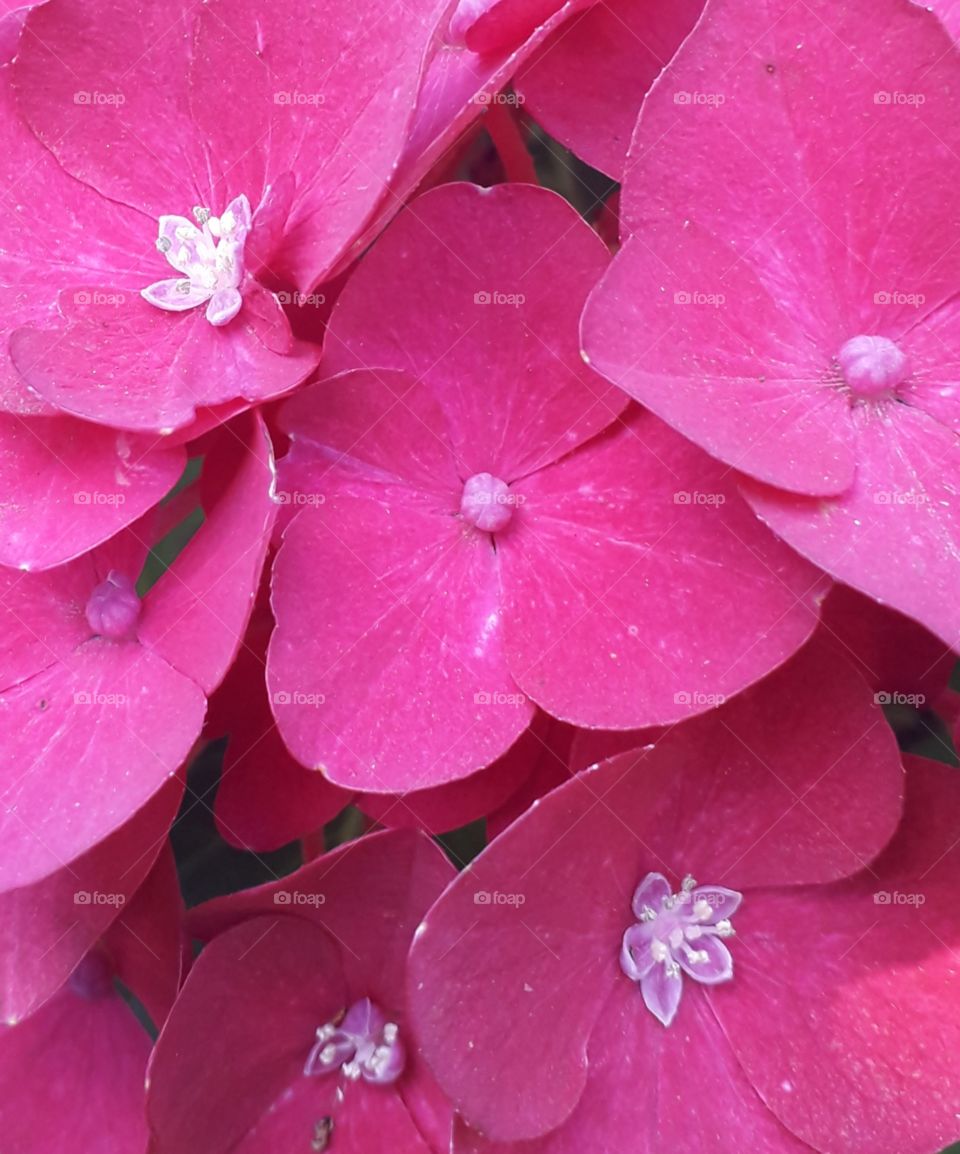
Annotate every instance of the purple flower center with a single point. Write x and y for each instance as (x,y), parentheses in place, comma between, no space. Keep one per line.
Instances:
(487,502)
(872,366)
(676,934)
(209,257)
(364,1045)
(114,607)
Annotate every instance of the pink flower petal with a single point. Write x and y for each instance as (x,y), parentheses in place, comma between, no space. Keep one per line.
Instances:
(625,584)
(265,799)
(631,1101)
(196,614)
(486,26)
(370,895)
(779,235)
(145,108)
(158,369)
(71,485)
(139,709)
(403,603)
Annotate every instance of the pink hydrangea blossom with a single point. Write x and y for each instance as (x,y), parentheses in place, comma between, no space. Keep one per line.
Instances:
(162,116)
(102,691)
(787,297)
(609,584)
(708,921)
(300,998)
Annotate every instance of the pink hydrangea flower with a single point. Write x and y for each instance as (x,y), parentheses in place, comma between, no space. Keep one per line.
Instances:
(586,83)
(708,922)
(102,690)
(293,1030)
(250,146)
(788,295)
(479,526)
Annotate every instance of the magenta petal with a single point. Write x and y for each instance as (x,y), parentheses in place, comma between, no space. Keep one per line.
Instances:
(502,950)
(639,588)
(895,535)
(75,485)
(393,603)
(158,368)
(486,26)
(147,945)
(877,1006)
(778,237)
(949,13)
(376,1120)
(196,614)
(632,1103)
(74,1072)
(264,799)
(455,804)
(139,709)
